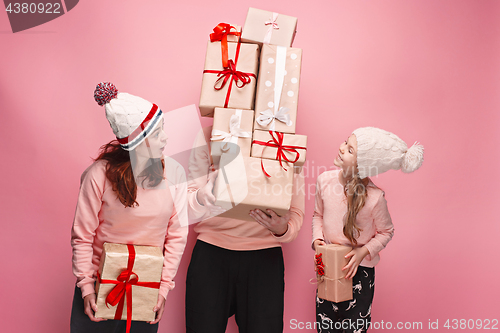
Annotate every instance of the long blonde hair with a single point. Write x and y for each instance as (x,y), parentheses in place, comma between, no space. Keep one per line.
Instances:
(356,192)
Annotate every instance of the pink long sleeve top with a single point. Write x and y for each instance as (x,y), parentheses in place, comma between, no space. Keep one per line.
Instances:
(331,207)
(159,220)
(230,233)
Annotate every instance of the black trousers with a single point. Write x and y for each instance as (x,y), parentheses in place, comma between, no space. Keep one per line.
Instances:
(248,284)
(81,323)
(350,316)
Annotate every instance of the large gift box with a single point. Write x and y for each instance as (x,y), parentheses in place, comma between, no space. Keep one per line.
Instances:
(280,146)
(266,27)
(242,185)
(231,87)
(129,281)
(231,132)
(332,284)
(278,89)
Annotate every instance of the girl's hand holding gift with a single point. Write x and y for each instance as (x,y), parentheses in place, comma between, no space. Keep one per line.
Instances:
(278,225)
(357,255)
(159,308)
(90,307)
(205,195)
(318,242)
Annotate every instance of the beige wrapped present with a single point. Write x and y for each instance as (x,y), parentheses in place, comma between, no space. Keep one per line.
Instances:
(145,263)
(242,185)
(276,146)
(332,285)
(231,132)
(277,95)
(232,87)
(266,27)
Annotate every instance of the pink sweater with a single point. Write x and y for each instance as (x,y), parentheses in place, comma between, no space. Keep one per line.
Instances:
(331,206)
(230,233)
(100,217)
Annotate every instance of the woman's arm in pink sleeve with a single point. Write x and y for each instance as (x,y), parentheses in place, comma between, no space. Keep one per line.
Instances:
(317,221)
(85,224)
(176,236)
(297,208)
(199,165)
(383,226)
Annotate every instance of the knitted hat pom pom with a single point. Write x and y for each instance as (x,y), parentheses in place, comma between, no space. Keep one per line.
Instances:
(105,92)
(413,159)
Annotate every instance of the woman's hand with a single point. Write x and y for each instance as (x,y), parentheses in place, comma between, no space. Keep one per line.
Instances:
(278,225)
(357,255)
(205,195)
(318,242)
(159,308)
(90,308)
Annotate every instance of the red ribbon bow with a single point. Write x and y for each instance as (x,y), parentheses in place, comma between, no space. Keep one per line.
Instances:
(277,142)
(320,267)
(221,31)
(123,288)
(231,74)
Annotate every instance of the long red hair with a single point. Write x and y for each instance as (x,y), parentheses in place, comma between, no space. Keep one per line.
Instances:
(120,174)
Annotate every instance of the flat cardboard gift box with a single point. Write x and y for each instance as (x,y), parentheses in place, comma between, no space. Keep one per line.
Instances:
(333,286)
(148,266)
(291,144)
(230,95)
(231,132)
(241,186)
(262,26)
(278,89)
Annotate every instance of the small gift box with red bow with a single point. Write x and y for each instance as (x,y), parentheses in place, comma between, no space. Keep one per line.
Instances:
(128,282)
(332,284)
(277,94)
(231,132)
(266,27)
(232,86)
(280,146)
(242,185)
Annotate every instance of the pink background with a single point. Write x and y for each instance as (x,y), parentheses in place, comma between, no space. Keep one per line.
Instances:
(427,70)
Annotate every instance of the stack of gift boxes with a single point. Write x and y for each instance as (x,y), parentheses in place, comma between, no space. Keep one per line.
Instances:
(250,87)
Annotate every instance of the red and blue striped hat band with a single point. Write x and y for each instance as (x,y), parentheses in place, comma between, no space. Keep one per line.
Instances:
(143,131)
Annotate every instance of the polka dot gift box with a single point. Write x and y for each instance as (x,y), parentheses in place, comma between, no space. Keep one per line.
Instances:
(278,89)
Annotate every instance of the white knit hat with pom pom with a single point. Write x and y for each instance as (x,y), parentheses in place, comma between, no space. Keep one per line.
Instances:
(132,118)
(380,151)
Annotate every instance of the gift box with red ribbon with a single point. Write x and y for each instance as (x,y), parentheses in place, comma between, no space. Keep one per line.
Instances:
(277,95)
(232,86)
(128,282)
(264,27)
(242,185)
(332,284)
(280,146)
(231,133)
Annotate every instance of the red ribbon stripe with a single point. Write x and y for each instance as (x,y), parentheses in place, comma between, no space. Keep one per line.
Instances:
(221,31)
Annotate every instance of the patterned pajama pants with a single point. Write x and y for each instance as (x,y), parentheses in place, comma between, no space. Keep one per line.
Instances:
(349,316)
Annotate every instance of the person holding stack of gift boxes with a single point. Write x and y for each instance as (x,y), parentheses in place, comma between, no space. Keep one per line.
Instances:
(350,210)
(135,197)
(246,192)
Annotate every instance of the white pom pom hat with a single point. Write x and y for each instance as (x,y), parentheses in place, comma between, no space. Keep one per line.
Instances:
(132,118)
(380,151)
